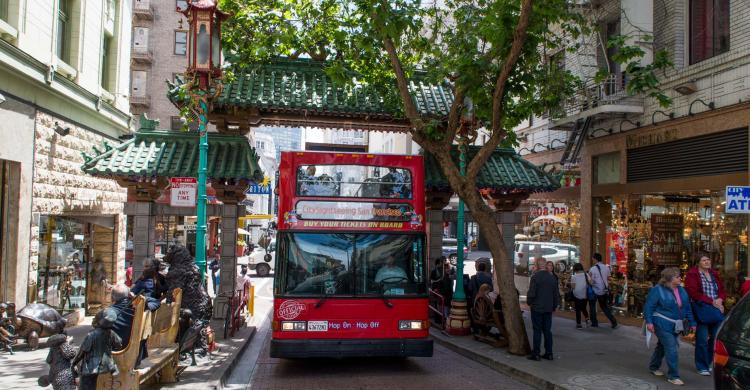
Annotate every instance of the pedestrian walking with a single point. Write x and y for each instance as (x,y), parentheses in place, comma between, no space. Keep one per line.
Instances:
(707,295)
(578,283)
(666,312)
(543,298)
(214,266)
(599,276)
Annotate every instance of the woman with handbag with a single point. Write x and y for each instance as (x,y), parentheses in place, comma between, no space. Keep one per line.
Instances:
(579,284)
(707,296)
(668,314)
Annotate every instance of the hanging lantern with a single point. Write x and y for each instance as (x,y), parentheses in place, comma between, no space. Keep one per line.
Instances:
(204,42)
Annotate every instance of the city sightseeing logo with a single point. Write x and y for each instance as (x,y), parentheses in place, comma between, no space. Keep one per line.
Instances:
(289,310)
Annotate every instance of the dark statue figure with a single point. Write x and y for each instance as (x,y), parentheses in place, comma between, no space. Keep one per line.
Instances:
(7,326)
(184,274)
(38,320)
(95,354)
(60,358)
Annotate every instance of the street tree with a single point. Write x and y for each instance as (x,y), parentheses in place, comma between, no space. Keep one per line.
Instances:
(494,55)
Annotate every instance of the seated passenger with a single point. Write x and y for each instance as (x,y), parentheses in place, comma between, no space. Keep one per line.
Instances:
(151,283)
(307,180)
(391,276)
(395,190)
(123,307)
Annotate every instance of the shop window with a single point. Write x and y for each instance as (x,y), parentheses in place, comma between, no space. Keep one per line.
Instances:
(8,218)
(607,168)
(709,29)
(180,43)
(4,9)
(63,262)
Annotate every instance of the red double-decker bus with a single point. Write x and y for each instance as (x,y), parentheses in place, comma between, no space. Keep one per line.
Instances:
(351,272)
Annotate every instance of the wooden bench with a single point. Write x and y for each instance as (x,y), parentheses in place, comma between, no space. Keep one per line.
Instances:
(159,330)
(484,317)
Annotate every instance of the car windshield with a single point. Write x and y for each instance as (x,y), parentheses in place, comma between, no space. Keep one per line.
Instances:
(450,242)
(350,264)
(736,329)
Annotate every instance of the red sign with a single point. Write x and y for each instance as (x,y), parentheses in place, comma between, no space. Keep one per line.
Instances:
(183,191)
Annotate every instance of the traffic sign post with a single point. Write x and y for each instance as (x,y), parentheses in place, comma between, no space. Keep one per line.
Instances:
(182,191)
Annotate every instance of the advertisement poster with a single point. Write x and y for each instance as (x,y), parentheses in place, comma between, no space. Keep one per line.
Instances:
(666,239)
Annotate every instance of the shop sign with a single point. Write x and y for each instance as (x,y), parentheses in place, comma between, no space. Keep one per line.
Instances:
(737,200)
(659,137)
(544,209)
(666,239)
(183,190)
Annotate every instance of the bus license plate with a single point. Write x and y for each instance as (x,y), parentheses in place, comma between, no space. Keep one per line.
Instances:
(317,326)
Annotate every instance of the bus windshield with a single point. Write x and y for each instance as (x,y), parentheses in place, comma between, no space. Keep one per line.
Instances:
(351,264)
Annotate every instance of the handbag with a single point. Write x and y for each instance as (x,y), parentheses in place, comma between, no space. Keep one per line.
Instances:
(707,314)
(590,294)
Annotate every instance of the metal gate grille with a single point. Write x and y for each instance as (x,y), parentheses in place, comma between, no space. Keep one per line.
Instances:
(706,155)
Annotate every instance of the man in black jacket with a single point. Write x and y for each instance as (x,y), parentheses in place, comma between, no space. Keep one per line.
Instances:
(123,307)
(543,298)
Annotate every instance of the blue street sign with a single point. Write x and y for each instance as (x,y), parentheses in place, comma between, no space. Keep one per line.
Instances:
(737,200)
(257,189)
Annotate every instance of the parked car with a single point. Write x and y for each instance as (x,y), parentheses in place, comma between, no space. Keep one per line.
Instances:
(450,249)
(563,255)
(262,261)
(732,349)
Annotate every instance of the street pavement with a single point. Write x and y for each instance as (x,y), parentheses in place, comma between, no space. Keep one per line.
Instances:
(445,370)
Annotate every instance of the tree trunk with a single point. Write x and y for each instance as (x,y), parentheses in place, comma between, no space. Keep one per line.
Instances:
(518,343)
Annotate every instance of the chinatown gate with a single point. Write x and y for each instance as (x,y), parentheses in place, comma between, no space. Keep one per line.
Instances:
(298,93)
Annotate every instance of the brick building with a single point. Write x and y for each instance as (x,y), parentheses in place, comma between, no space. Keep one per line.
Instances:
(65,90)
(625,162)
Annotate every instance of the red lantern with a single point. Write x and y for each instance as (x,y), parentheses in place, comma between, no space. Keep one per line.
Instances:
(204,42)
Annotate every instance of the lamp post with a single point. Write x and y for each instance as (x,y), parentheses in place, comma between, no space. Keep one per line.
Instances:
(458,321)
(204,69)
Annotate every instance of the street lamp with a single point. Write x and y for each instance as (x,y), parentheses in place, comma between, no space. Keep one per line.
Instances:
(204,68)
(458,321)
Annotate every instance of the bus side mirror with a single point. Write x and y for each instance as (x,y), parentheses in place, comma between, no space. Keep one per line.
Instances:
(267,258)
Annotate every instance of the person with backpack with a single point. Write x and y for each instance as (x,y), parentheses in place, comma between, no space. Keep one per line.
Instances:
(599,276)
(707,296)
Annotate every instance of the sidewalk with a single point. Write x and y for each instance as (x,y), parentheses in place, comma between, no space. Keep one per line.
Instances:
(588,359)
(22,370)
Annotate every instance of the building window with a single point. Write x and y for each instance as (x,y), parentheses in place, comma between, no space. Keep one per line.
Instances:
(180,43)
(181,5)
(138,80)
(106,63)
(709,29)
(4,5)
(260,145)
(63,30)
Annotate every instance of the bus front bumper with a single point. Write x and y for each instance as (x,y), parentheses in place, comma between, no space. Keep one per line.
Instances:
(350,348)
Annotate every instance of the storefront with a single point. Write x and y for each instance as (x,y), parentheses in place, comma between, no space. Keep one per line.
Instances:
(654,198)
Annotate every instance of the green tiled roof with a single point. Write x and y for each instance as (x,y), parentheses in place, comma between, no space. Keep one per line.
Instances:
(175,154)
(504,170)
(302,86)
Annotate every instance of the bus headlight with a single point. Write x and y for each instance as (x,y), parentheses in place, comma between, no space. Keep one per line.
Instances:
(293,326)
(411,325)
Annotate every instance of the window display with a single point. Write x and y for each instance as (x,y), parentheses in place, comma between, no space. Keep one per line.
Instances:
(63,262)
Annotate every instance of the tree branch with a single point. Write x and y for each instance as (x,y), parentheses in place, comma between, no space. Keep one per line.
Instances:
(403,84)
(498,133)
(454,116)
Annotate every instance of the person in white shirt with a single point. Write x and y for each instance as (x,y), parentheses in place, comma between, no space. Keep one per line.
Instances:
(599,274)
(391,276)
(578,284)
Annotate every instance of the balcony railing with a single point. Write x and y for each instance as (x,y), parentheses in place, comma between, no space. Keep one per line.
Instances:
(603,98)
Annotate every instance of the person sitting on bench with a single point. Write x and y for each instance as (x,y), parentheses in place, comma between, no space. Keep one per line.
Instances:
(123,307)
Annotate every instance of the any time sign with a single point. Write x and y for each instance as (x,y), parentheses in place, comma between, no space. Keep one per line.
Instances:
(183,191)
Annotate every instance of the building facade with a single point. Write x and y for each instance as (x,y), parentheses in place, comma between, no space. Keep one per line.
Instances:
(284,138)
(643,184)
(64,66)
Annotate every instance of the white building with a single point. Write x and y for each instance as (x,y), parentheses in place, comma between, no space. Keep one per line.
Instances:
(64,85)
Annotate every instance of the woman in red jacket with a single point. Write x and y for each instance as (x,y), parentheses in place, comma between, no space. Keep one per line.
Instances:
(706,291)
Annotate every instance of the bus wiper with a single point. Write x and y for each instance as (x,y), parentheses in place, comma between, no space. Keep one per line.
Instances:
(321,301)
(386,300)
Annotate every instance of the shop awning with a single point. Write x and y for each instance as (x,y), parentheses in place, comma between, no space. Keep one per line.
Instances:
(158,153)
(505,170)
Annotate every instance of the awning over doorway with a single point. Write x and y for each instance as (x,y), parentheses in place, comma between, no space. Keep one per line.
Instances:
(505,170)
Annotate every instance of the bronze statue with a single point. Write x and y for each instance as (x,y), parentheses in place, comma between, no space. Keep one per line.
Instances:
(61,354)
(95,354)
(7,326)
(38,320)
